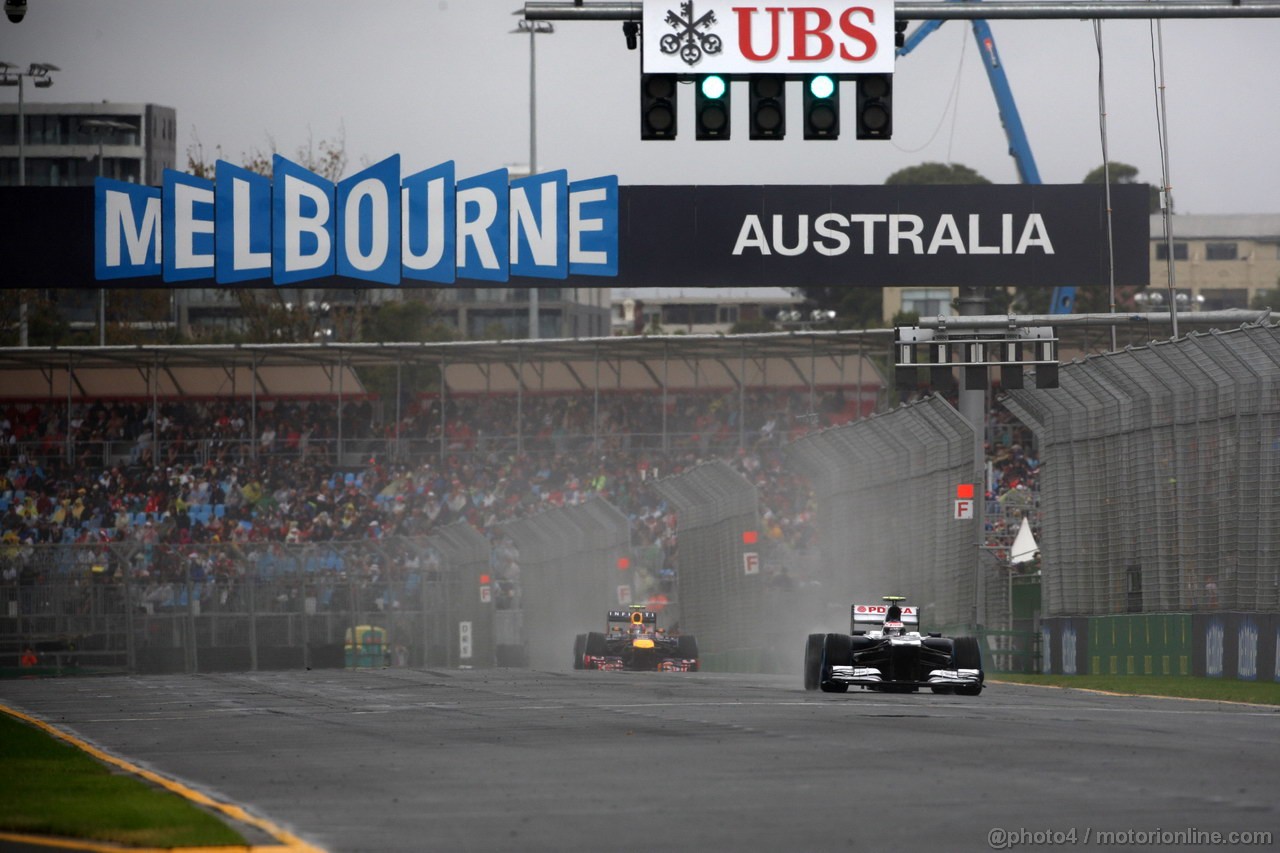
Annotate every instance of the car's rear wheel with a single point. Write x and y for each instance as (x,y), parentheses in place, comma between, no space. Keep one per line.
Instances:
(813,661)
(596,645)
(687,648)
(579,647)
(836,651)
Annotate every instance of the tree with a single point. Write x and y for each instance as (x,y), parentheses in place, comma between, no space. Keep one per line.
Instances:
(934,174)
(1123,173)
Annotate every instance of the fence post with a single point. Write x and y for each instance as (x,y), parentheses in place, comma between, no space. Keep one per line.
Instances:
(306,626)
(193,661)
(130,652)
(253,623)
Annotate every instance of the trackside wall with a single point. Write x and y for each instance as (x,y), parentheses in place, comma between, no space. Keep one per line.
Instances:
(1239,645)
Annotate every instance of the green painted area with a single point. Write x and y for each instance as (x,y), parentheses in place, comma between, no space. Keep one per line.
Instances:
(1177,686)
(1156,644)
(49,787)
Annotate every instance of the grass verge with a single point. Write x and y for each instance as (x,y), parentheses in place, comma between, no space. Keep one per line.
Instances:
(1181,687)
(52,788)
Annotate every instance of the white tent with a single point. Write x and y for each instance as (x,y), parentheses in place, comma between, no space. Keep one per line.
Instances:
(1024,546)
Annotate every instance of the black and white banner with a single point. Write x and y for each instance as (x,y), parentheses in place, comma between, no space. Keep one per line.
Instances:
(881,236)
(741,236)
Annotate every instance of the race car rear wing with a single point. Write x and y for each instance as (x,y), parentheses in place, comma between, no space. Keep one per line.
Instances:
(870,617)
(634,617)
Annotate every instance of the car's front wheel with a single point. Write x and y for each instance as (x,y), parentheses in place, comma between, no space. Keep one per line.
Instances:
(837,650)
(813,661)
(968,655)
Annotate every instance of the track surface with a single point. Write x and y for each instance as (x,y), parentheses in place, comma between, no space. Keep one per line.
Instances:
(413,760)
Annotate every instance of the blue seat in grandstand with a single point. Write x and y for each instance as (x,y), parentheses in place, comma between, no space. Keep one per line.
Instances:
(219,510)
(4,504)
(140,518)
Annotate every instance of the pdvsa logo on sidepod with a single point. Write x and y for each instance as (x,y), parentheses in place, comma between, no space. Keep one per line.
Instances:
(374,226)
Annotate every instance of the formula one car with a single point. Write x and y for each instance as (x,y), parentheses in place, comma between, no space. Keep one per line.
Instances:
(886,651)
(632,640)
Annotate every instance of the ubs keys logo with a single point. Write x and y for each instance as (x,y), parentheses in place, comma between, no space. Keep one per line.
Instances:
(689,38)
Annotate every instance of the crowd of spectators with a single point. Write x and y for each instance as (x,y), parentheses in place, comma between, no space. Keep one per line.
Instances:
(187,474)
(190,474)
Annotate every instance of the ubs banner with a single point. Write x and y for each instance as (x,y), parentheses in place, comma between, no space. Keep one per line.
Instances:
(551,231)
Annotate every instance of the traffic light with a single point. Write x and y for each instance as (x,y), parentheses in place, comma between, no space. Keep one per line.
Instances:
(821,107)
(875,106)
(712,107)
(657,106)
(768,106)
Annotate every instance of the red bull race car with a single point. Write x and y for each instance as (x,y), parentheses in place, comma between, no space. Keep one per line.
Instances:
(885,651)
(633,641)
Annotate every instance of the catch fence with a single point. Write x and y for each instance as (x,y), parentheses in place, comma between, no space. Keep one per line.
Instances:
(1160,466)
(142,607)
(575,565)
(884,490)
(721,569)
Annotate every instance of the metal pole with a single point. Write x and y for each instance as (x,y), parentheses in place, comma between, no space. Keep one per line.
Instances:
(631,10)
(22,132)
(1166,190)
(533,168)
(102,291)
(973,407)
(22,182)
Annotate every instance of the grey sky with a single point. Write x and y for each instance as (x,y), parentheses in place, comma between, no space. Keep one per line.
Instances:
(435,80)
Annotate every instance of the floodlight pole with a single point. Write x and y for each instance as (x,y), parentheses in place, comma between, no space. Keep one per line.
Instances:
(11,76)
(100,127)
(533,28)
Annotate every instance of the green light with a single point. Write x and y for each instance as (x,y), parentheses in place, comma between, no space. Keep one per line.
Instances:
(822,86)
(713,86)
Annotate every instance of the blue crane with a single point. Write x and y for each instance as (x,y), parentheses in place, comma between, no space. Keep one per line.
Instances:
(1064,298)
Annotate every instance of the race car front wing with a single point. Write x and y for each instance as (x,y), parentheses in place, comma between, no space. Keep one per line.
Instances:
(870,676)
(613,663)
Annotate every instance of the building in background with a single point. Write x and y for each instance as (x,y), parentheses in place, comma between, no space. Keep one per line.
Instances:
(698,310)
(1219,261)
(61,143)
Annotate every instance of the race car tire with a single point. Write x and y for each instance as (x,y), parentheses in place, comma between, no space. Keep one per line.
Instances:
(579,648)
(813,661)
(836,651)
(596,645)
(687,648)
(968,655)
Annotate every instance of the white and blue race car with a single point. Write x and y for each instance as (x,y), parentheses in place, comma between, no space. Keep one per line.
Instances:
(886,651)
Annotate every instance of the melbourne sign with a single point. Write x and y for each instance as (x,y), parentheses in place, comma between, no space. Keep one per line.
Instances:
(733,37)
(430,230)
(374,226)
